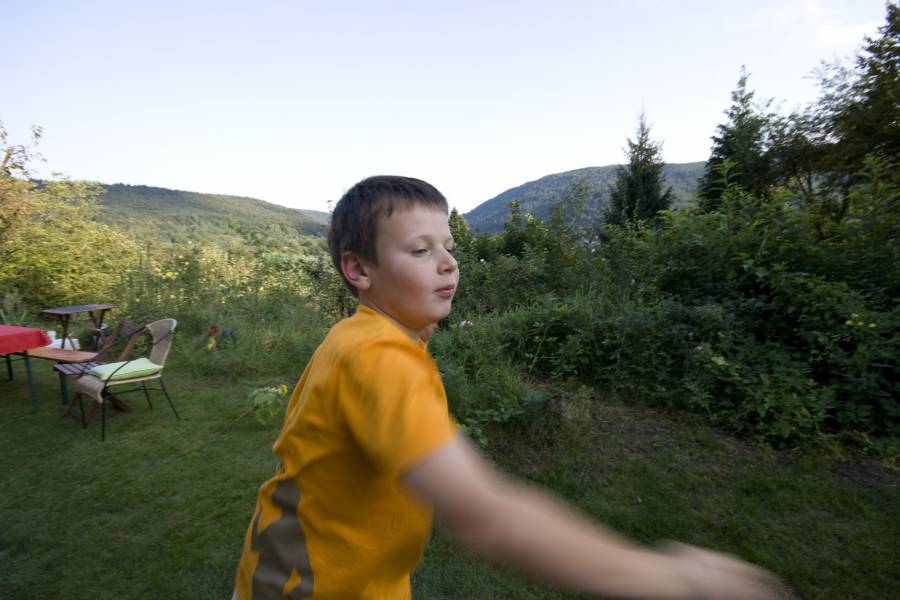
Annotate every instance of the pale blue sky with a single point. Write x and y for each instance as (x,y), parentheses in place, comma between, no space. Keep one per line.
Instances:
(293,102)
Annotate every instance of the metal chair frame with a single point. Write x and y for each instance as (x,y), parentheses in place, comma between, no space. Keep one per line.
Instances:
(162,343)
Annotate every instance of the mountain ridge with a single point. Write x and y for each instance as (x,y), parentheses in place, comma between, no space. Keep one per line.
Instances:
(177,216)
(537,196)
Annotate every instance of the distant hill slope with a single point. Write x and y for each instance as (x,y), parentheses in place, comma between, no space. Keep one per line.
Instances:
(319,215)
(536,197)
(178,216)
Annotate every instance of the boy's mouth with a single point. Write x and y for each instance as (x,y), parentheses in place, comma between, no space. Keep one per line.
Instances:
(446,292)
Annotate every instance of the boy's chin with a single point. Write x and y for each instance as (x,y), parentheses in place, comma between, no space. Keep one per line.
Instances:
(443,314)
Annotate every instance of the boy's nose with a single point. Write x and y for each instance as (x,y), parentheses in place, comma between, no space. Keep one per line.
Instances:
(449,264)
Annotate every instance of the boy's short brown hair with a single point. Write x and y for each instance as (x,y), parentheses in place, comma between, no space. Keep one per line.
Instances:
(354,222)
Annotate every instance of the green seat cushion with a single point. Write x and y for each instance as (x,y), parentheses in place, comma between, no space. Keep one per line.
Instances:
(140,367)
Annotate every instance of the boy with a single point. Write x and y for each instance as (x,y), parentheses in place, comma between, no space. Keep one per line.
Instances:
(368,450)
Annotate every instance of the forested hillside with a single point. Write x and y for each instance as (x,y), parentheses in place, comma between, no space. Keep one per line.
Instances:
(536,197)
(179,216)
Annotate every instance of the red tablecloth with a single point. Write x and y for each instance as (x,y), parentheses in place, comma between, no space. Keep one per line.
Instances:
(19,339)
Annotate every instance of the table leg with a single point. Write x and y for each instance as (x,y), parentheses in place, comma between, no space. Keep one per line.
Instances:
(98,323)
(9,372)
(34,401)
(63,388)
(64,319)
(99,320)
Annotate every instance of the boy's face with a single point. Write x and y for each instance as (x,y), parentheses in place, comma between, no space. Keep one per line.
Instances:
(416,276)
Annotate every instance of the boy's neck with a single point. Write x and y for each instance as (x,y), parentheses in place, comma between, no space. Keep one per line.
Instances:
(367,301)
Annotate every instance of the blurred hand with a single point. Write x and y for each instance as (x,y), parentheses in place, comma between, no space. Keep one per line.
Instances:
(712,575)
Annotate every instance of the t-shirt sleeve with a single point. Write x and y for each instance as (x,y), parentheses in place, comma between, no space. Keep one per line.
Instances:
(397,410)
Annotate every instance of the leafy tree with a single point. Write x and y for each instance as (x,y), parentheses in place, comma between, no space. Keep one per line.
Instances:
(462,235)
(52,250)
(822,152)
(15,206)
(739,153)
(638,193)
(566,240)
(856,119)
(862,107)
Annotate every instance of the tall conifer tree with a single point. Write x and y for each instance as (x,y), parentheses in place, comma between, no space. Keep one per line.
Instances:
(639,193)
(739,149)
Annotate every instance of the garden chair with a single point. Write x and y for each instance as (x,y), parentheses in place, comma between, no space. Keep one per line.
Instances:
(97,382)
(75,363)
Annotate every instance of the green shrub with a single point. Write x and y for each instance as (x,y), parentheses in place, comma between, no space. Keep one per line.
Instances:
(483,387)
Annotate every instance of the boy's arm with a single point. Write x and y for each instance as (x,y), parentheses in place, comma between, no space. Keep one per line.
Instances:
(531,530)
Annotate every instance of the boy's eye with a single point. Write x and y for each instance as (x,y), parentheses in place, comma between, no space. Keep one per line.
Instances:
(451,250)
(420,252)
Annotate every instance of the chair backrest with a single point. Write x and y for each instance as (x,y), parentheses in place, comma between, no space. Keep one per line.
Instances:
(162,331)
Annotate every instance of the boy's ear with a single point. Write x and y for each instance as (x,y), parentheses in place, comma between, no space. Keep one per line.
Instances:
(355,271)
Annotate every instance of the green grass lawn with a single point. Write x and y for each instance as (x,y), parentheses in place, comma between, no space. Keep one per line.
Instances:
(159,510)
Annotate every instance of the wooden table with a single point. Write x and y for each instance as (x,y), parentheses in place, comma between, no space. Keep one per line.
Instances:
(63,313)
(18,341)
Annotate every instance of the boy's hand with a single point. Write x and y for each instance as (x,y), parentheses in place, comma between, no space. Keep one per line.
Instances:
(708,574)
(426,333)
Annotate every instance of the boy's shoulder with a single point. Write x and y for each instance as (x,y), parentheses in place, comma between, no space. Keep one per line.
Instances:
(366,332)
(366,350)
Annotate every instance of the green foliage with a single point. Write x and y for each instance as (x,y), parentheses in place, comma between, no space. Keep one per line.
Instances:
(52,249)
(860,108)
(15,202)
(12,310)
(821,152)
(483,389)
(742,146)
(462,235)
(532,257)
(268,403)
(638,193)
(326,287)
(60,254)
(758,316)
(174,216)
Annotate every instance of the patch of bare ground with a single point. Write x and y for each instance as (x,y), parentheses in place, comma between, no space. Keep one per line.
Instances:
(866,473)
(613,427)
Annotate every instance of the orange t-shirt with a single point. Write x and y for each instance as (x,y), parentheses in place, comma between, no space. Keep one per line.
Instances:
(334,522)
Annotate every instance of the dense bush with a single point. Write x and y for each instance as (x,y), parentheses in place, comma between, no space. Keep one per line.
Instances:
(483,387)
(753,316)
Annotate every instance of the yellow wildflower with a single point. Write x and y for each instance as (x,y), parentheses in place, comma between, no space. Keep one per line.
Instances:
(873,325)
(283,389)
(848,322)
